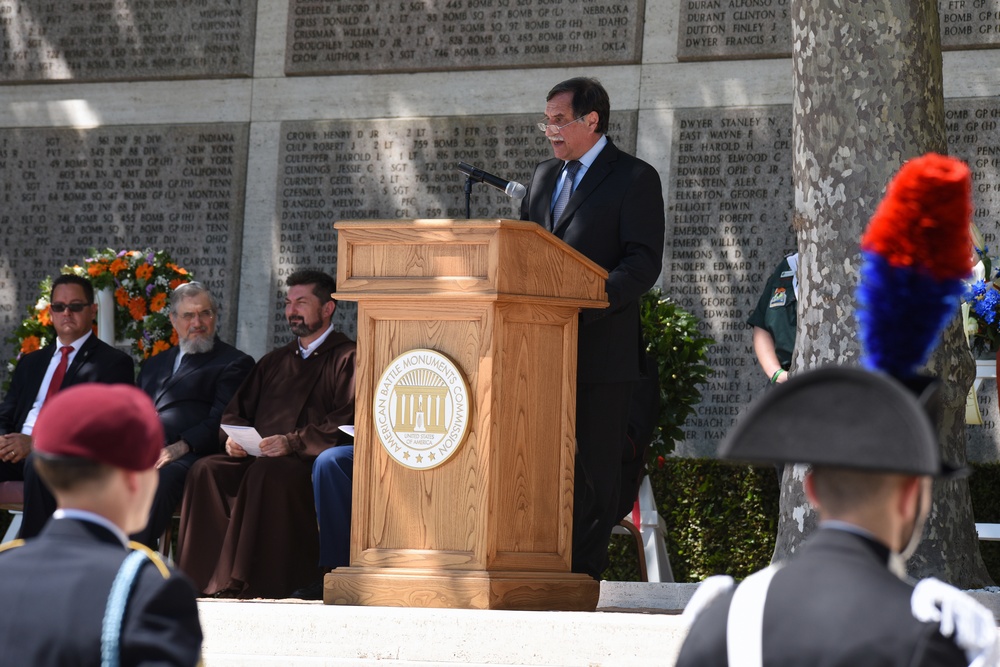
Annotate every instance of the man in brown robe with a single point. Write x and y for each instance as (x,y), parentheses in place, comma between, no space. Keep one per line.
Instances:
(248,524)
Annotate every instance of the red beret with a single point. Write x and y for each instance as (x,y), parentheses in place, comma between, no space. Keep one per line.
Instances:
(115,424)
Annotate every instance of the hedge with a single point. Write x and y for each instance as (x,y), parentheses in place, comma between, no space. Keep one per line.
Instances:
(722,519)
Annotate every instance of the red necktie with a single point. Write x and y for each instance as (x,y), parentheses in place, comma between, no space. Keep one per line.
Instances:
(57,377)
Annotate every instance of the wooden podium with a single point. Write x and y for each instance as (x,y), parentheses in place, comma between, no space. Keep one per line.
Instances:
(491,526)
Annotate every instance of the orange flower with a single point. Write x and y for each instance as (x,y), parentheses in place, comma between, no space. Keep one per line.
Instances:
(144,272)
(177,269)
(159,346)
(97,269)
(121,296)
(118,266)
(30,344)
(137,307)
(158,302)
(45,316)
(173,338)
(177,282)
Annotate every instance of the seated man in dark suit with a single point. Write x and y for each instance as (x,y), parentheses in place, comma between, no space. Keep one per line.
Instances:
(190,385)
(96,446)
(77,357)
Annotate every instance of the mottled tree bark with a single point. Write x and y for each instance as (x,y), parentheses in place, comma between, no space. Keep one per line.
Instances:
(868,96)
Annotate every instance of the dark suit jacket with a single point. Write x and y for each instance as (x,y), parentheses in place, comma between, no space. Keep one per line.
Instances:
(191,402)
(615,217)
(54,591)
(834,604)
(96,361)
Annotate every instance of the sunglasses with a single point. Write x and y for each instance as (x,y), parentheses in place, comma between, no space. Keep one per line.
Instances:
(72,307)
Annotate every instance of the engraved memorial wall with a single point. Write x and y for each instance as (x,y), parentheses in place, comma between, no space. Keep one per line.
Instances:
(727,184)
(115,40)
(424,35)
(746,29)
(729,214)
(395,169)
(178,188)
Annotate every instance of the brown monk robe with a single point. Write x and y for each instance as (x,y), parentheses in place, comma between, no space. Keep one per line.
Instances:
(248,524)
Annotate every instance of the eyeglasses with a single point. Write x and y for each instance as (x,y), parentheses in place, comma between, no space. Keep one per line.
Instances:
(73,307)
(546,128)
(203,314)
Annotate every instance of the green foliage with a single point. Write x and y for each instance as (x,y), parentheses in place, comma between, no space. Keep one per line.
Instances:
(673,339)
(722,519)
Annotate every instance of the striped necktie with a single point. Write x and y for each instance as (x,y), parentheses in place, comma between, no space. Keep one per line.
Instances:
(566,192)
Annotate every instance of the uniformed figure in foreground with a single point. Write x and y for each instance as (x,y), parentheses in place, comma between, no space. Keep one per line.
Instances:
(841,599)
(96,447)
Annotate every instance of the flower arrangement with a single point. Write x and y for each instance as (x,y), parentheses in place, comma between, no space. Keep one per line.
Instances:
(141,282)
(36,330)
(981,302)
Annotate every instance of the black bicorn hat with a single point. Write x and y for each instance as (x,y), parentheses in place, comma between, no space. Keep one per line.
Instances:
(844,417)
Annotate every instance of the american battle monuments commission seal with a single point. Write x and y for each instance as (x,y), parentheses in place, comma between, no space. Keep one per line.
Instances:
(421,408)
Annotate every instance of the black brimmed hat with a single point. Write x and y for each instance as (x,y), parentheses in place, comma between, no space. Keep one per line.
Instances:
(843,417)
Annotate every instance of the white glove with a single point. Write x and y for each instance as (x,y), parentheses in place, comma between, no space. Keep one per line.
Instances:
(968,623)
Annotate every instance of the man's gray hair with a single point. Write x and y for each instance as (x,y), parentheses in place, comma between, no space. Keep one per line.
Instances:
(192,289)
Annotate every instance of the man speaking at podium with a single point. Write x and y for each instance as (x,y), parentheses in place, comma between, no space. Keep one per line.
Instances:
(608,205)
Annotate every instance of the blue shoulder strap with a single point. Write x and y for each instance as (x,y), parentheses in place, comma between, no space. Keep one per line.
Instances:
(121,589)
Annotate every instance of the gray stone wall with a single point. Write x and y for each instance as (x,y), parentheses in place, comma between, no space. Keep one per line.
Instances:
(234,133)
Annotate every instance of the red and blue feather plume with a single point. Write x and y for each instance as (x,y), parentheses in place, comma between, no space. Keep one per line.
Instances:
(916,252)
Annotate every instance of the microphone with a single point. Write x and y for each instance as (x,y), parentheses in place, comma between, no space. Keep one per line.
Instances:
(510,188)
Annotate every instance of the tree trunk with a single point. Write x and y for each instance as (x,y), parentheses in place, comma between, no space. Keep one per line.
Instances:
(867,97)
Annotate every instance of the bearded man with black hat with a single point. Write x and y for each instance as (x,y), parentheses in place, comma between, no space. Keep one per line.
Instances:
(76,594)
(873,450)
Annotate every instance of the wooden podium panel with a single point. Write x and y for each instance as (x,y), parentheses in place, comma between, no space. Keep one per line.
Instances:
(491,526)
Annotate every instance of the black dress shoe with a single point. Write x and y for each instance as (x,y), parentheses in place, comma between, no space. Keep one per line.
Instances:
(313,591)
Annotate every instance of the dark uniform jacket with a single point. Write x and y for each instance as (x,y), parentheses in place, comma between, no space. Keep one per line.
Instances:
(776,312)
(54,590)
(835,604)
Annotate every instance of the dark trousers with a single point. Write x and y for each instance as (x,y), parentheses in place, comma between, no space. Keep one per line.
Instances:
(39,503)
(12,472)
(167,499)
(601,424)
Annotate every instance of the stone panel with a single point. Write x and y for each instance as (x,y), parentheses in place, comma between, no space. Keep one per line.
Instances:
(178,188)
(744,29)
(730,29)
(969,23)
(115,40)
(395,169)
(730,200)
(424,35)
(973,135)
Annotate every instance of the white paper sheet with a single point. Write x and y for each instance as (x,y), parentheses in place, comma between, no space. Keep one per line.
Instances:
(246,437)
